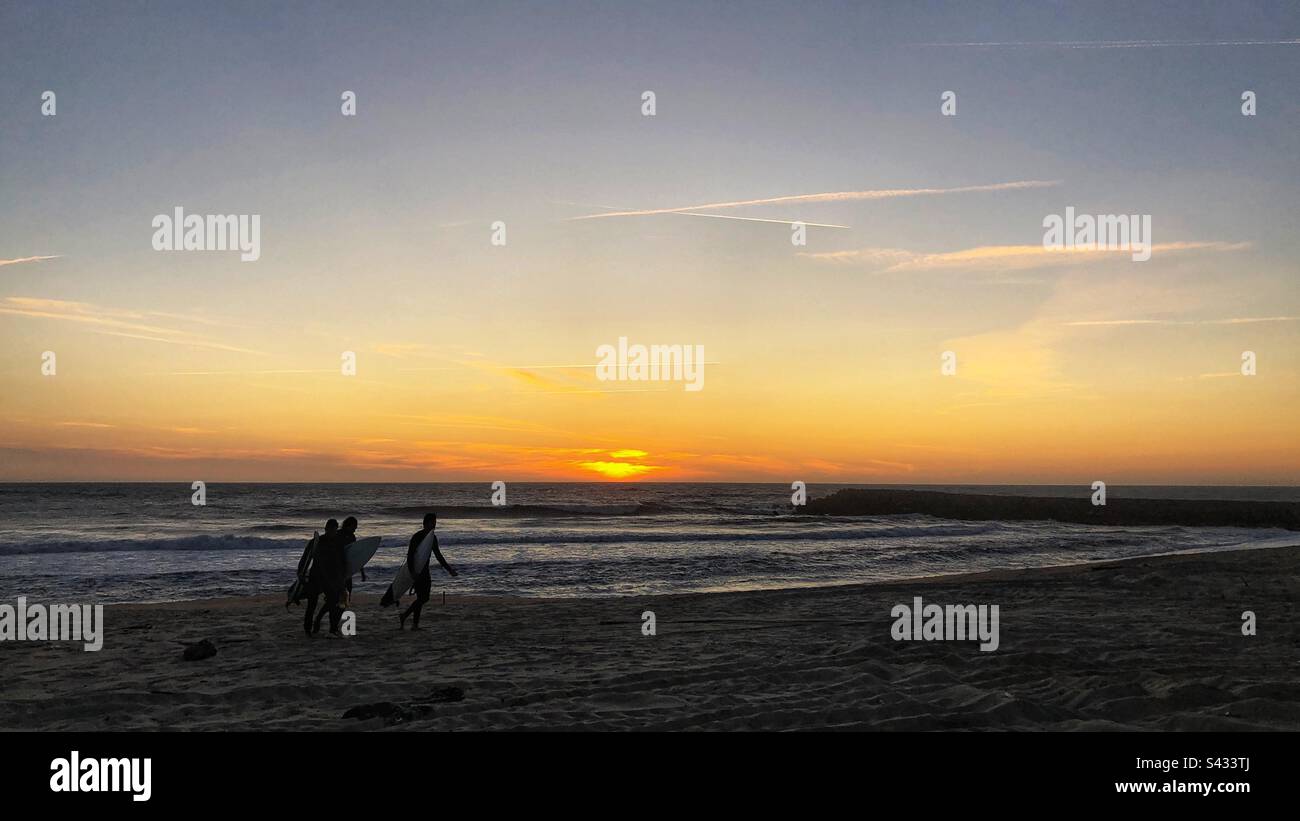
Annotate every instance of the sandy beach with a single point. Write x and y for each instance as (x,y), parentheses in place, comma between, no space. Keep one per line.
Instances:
(1147,644)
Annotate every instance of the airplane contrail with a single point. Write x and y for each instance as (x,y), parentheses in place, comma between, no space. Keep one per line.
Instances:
(1115,44)
(830,196)
(712,216)
(756,219)
(27,259)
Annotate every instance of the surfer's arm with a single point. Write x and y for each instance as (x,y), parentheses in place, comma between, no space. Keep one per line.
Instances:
(441,560)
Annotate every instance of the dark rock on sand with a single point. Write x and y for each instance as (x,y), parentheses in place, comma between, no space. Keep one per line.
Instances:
(443,695)
(387,710)
(200,650)
(393,713)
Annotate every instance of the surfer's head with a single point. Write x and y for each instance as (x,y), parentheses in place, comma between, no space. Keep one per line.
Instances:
(332,525)
(430,521)
(350,524)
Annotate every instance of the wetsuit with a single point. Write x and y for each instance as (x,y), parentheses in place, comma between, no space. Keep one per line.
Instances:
(326,578)
(423,581)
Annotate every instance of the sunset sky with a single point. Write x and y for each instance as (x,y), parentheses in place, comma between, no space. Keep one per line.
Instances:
(477,362)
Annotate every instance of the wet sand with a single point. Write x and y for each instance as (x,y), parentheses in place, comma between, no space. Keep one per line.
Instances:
(1149,644)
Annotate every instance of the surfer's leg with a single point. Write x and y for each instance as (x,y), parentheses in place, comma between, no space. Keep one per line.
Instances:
(326,608)
(422,585)
(335,611)
(330,601)
(310,611)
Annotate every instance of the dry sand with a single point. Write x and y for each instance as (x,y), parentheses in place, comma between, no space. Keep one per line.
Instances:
(1151,643)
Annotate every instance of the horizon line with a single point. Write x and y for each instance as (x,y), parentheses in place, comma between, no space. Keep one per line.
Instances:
(619,482)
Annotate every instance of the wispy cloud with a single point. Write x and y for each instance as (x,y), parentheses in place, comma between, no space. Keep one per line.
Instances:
(998,257)
(1112,44)
(480,422)
(578,380)
(611,210)
(1219,375)
(756,219)
(831,196)
(115,321)
(1244,320)
(568,385)
(27,259)
(402,350)
(260,372)
(535,380)
(171,454)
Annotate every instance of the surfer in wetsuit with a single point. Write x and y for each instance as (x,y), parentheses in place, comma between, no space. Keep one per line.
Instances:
(321,561)
(347,588)
(350,522)
(423,581)
(347,583)
(328,574)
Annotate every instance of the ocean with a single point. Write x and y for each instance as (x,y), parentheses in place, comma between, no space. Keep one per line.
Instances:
(109,543)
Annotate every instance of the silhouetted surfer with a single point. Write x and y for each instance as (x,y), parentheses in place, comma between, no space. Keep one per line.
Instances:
(328,574)
(350,527)
(423,581)
(317,571)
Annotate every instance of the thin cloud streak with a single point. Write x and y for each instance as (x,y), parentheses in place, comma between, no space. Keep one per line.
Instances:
(212,346)
(492,366)
(831,196)
(1245,320)
(113,321)
(611,208)
(999,257)
(246,373)
(1113,44)
(27,259)
(756,219)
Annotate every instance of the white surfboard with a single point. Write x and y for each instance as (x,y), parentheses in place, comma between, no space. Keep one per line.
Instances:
(304,564)
(405,578)
(358,553)
(304,567)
